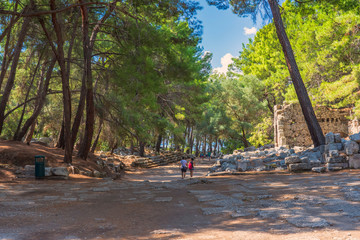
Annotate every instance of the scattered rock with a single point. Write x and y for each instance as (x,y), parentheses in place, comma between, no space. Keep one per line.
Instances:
(292,160)
(299,167)
(48,172)
(354,161)
(351,147)
(96,174)
(318,169)
(60,171)
(355,137)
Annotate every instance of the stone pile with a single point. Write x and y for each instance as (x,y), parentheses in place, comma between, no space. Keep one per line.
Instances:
(337,154)
(57,172)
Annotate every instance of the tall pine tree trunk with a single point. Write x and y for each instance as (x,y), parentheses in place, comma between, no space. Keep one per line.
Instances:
(158,143)
(197,147)
(88,45)
(316,133)
(30,133)
(61,139)
(141,148)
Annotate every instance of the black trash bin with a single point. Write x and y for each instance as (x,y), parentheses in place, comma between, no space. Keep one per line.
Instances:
(39,167)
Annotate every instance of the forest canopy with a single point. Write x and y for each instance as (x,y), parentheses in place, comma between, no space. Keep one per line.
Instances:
(100,75)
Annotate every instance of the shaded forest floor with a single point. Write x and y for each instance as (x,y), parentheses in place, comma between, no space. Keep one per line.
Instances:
(157,204)
(14,154)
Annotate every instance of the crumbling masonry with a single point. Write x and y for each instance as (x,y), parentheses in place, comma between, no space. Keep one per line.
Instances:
(291,130)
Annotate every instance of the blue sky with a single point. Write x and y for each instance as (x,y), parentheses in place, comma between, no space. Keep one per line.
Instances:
(224,33)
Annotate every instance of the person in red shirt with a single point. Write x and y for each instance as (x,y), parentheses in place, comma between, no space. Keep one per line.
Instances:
(191,167)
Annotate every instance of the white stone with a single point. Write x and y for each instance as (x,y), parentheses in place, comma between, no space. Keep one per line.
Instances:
(318,169)
(354,161)
(351,147)
(48,172)
(60,171)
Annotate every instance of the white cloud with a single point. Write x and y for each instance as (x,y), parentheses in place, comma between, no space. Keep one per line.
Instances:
(225,62)
(250,31)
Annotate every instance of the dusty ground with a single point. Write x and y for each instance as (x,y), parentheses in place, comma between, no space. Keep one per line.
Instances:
(157,204)
(14,154)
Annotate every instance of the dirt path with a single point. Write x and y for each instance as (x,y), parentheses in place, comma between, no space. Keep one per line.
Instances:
(157,204)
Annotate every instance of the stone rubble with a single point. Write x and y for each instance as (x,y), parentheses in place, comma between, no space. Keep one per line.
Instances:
(336,155)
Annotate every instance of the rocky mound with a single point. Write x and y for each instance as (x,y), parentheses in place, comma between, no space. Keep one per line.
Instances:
(337,154)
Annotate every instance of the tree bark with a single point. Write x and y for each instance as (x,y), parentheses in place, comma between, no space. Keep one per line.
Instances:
(197,147)
(141,148)
(313,125)
(216,144)
(97,137)
(191,140)
(11,79)
(243,137)
(88,45)
(60,57)
(158,143)
(61,139)
(30,133)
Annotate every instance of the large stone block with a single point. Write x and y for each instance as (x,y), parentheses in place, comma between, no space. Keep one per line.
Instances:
(354,161)
(331,146)
(333,153)
(29,169)
(355,137)
(48,172)
(334,165)
(337,159)
(337,138)
(318,169)
(316,163)
(242,166)
(351,147)
(292,160)
(256,162)
(60,171)
(305,160)
(329,138)
(299,167)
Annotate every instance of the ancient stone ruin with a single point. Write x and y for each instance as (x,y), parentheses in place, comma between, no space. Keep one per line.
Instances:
(291,130)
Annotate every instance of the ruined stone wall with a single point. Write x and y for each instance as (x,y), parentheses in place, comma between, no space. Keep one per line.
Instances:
(291,129)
